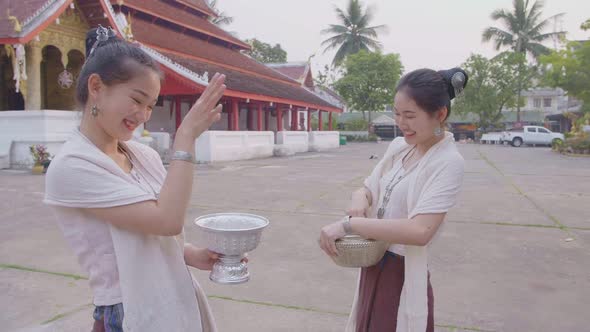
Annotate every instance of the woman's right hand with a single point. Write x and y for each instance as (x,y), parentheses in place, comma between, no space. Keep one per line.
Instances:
(359,205)
(206,110)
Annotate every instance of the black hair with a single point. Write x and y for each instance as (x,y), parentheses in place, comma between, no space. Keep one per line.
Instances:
(113,59)
(433,90)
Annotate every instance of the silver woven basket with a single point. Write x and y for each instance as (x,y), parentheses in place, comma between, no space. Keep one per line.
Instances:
(354,251)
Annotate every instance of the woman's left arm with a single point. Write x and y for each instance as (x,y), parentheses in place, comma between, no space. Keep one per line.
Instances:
(429,213)
(416,232)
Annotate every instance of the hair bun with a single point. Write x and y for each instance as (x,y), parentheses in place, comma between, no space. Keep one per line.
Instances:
(456,79)
(98,37)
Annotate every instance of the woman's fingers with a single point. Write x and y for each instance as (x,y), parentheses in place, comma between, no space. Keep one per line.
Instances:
(352,213)
(205,96)
(213,255)
(323,246)
(213,92)
(321,243)
(333,248)
(328,246)
(215,114)
(356,212)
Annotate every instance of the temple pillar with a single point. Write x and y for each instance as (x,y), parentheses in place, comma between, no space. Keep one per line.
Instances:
(33,90)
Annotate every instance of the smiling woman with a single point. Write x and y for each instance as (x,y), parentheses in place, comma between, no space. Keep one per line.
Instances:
(423,103)
(118,85)
(404,202)
(118,207)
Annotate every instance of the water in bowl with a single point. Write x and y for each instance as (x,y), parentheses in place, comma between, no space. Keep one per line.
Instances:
(232,222)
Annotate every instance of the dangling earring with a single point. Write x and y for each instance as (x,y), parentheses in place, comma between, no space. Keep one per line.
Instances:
(94,111)
(438,131)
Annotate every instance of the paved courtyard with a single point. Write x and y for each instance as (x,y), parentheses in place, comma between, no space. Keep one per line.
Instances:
(514,255)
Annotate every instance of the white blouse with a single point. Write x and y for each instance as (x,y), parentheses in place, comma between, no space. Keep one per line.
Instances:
(398,202)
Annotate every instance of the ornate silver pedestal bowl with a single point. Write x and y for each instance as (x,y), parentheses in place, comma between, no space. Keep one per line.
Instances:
(231,235)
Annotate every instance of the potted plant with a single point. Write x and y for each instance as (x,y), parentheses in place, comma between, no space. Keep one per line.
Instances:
(41,158)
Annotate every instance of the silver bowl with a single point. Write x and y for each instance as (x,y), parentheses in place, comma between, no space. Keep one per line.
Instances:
(231,235)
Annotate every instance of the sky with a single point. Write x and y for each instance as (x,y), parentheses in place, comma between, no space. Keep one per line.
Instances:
(437,34)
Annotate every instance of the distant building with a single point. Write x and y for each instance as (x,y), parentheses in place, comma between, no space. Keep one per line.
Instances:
(301,72)
(546,107)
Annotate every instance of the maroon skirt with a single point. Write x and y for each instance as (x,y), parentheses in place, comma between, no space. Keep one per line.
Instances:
(379,295)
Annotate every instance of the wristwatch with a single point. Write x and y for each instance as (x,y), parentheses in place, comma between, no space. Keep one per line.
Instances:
(183,156)
(346,225)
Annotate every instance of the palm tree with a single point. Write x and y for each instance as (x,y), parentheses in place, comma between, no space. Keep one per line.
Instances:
(354,33)
(525,27)
(222,18)
(524,32)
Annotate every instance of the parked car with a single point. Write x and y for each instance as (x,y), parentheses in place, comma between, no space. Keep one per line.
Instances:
(531,135)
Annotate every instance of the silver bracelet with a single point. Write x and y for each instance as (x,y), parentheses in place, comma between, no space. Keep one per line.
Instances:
(183,156)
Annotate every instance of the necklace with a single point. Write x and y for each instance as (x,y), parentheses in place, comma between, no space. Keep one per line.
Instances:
(136,172)
(394,181)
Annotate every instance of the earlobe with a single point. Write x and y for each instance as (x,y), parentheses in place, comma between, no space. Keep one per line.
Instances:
(442,115)
(94,85)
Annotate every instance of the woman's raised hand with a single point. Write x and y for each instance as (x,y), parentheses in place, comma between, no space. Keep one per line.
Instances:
(206,110)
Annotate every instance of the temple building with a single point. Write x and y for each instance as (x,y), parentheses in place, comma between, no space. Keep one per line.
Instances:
(42,51)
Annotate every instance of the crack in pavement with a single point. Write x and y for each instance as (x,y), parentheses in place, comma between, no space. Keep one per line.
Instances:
(266,304)
(32,269)
(509,224)
(508,179)
(67,313)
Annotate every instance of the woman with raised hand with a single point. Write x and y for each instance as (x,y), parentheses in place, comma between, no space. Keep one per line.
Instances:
(120,210)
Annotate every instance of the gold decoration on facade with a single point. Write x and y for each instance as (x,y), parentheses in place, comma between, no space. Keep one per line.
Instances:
(9,51)
(69,35)
(127,32)
(17,26)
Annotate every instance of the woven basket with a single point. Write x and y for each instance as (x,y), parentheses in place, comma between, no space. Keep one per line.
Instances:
(354,251)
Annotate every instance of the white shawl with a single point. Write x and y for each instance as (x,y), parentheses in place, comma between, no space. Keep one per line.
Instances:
(157,288)
(434,189)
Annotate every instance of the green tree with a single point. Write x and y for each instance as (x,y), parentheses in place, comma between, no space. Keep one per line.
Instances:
(570,69)
(222,18)
(369,80)
(354,32)
(493,85)
(524,31)
(326,77)
(265,52)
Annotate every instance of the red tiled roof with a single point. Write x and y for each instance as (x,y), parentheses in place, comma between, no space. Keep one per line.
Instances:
(244,82)
(200,5)
(331,92)
(301,72)
(94,13)
(295,72)
(172,13)
(24,11)
(21,10)
(163,38)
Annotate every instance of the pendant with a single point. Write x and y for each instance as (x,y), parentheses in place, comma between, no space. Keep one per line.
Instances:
(380,213)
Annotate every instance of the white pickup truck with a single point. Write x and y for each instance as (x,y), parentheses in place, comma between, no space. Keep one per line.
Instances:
(531,135)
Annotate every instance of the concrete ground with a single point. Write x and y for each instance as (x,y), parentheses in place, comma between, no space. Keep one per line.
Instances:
(514,255)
